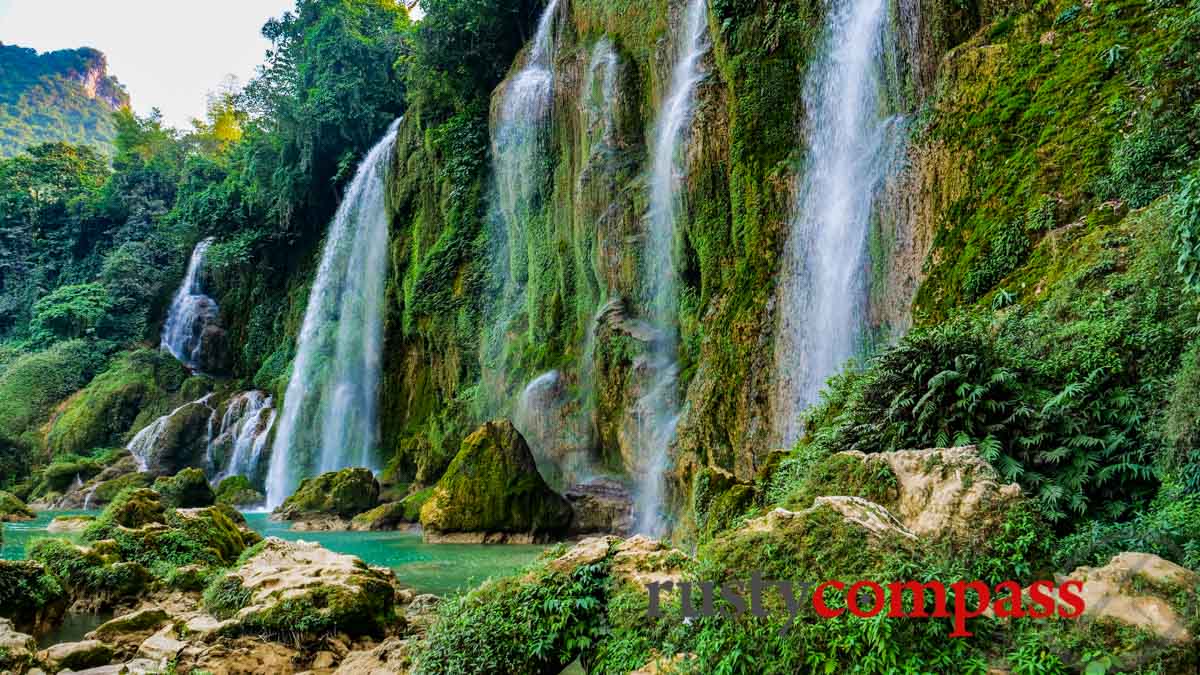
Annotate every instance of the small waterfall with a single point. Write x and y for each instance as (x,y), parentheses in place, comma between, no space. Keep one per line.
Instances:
(77,484)
(824,279)
(87,499)
(191,310)
(658,409)
(330,412)
(242,436)
(600,90)
(143,444)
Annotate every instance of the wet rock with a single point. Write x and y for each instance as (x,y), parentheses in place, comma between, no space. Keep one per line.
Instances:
(180,440)
(16,648)
(493,492)
(237,491)
(339,494)
(390,516)
(69,524)
(76,655)
(600,506)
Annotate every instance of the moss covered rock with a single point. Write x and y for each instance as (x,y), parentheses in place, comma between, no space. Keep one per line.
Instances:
(218,529)
(493,488)
(238,491)
(13,509)
(290,588)
(187,489)
(30,597)
(135,508)
(175,442)
(342,494)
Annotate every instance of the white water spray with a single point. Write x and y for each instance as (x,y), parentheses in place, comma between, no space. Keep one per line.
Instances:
(142,445)
(191,310)
(330,412)
(244,430)
(658,409)
(824,279)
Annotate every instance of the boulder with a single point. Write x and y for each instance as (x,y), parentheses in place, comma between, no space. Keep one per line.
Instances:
(718,498)
(187,489)
(289,582)
(176,441)
(16,648)
(241,656)
(1140,590)
(12,509)
(393,656)
(600,506)
(641,560)
(587,552)
(29,597)
(220,528)
(69,524)
(136,508)
(339,494)
(389,516)
(128,631)
(492,491)
(162,646)
(237,491)
(76,655)
(421,613)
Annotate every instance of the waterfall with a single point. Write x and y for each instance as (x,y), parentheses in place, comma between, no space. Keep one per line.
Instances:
(191,310)
(519,166)
(243,433)
(600,90)
(145,441)
(330,412)
(87,499)
(658,409)
(824,280)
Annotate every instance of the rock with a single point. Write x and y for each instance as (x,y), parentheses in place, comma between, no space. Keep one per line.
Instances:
(343,494)
(718,499)
(69,524)
(394,656)
(421,613)
(220,528)
(600,506)
(324,661)
(321,523)
(13,509)
(289,579)
(666,665)
(204,628)
(142,667)
(389,516)
(243,656)
(1133,589)
(114,669)
(177,441)
(162,646)
(188,489)
(132,628)
(237,491)
(587,552)
(15,648)
(76,655)
(137,509)
(32,599)
(641,560)
(492,490)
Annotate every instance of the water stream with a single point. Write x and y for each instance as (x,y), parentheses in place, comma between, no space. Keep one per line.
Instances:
(824,279)
(658,409)
(331,409)
(191,310)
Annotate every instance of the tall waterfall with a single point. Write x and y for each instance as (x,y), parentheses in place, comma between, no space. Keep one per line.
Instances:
(824,281)
(191,310)
(519,157)
(330,412)
(658,409)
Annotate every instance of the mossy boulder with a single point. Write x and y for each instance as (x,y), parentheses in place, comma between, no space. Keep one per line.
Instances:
(493,488)
(135,508)
(718,499)
(93,581)
(30,596)
(70,524)
(102,413)
(289,588)
(177,441)
(392,515)
(219,529)
(16,648)
(342,494)
(13,509)
(187,489)
(71,656)
(238,491)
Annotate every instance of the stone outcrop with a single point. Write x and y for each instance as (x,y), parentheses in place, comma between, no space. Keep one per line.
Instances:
(493,492)
(187,489)
(330,500)
(69,524)
(75,655)
(12,509)
(600,506)
(16,648)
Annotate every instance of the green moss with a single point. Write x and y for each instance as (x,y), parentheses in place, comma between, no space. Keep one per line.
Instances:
(33,384)
(29,596)
(225,596)
(186,490)
(12,508)
(103,413)
(493,485)
(238,491)
(848,476)
(344,493)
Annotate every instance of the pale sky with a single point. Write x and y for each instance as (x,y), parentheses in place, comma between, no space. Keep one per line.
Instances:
(168,53)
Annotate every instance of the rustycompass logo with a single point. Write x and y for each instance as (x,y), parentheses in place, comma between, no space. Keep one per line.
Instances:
(865,599)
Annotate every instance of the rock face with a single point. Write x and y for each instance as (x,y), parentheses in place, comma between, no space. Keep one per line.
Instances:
(600,506)
(76,655)
(390,516)
(12,509)
(188,489)
(29,598)
(15,648)
(289,582)
(340,495)
(493,492)
(176,442)
(390,658)
(1135,589)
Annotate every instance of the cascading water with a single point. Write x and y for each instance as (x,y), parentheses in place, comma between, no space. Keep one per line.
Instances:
(330,412)
(658,409)
(519,157)
(191,311)
(824,285)
(242,436)
(600,91)
(142,445)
